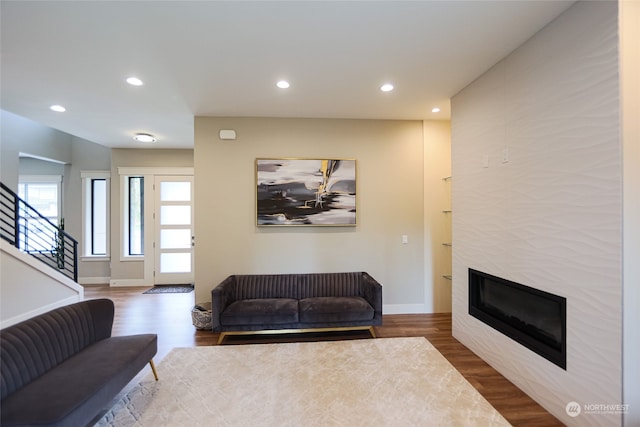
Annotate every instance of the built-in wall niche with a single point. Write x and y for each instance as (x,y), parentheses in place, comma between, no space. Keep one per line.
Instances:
(532,317)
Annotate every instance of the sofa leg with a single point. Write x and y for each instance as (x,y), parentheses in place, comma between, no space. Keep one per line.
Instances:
(372,332)
(153,369)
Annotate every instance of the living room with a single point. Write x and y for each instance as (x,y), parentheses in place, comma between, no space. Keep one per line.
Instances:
(542,150)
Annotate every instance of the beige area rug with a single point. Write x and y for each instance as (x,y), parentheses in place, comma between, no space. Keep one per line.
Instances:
(374,382)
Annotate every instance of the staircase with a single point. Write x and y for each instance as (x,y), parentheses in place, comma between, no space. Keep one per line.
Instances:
(25,228)
(39,262)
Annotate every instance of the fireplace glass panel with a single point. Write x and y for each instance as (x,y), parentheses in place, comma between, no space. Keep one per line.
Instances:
(534,318)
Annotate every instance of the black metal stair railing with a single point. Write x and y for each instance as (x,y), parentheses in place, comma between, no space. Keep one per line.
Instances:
(25,228)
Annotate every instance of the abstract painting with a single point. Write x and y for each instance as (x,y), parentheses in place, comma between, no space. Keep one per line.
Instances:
(306,192)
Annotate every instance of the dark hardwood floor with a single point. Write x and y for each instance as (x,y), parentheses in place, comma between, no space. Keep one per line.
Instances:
(169,316)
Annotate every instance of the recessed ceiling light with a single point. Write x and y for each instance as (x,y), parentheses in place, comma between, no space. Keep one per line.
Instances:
(134,81)
(435,110)
(58,108)
(283,84)
(387,87)
(144,137)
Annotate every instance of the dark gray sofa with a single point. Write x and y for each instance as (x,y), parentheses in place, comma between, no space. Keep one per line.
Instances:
(62,367)
(277,303)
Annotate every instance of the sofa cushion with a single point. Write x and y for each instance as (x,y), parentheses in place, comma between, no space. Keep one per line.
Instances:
(334,309)
(75,391)
(261,311)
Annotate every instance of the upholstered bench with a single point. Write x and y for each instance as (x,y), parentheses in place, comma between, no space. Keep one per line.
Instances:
(282,303)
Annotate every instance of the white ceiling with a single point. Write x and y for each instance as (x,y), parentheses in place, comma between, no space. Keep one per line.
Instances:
(223,58)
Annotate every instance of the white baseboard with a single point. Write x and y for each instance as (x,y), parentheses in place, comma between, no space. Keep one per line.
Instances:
(129,282)
(404,309)
(94,280)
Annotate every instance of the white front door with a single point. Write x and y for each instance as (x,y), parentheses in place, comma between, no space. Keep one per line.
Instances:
(173,230)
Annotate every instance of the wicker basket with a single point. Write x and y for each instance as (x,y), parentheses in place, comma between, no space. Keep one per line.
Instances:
(201,318)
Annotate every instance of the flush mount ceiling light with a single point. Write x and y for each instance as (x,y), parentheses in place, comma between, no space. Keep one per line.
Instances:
(58,108)
(144,137)
(283,84)
(387,87)
(435,110)
(134,81)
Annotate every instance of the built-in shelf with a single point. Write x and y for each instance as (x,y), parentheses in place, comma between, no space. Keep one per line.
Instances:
(447,212)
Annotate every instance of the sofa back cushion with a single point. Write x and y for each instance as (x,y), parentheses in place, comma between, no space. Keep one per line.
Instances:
(297,286)
(265,286)
(31,348)
(330,285)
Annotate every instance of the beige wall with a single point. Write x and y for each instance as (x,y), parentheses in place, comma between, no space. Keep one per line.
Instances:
(390,203)
(437,224)
(550,217)
(70,155)
(85,156)
(20,135)
(132,272)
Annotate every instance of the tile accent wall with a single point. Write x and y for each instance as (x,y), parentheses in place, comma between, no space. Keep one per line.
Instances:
(536,158)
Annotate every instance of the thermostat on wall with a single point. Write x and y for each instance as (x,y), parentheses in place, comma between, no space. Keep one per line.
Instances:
(227,134)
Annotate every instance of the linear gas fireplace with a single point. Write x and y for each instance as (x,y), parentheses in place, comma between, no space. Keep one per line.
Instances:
(534,318)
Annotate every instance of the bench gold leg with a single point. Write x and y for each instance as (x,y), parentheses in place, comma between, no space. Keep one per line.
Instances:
(153,369)
(221,337)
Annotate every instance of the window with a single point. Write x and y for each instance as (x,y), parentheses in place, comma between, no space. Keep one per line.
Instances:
(43,193)
(95,204)
(133,215)
(136,215)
